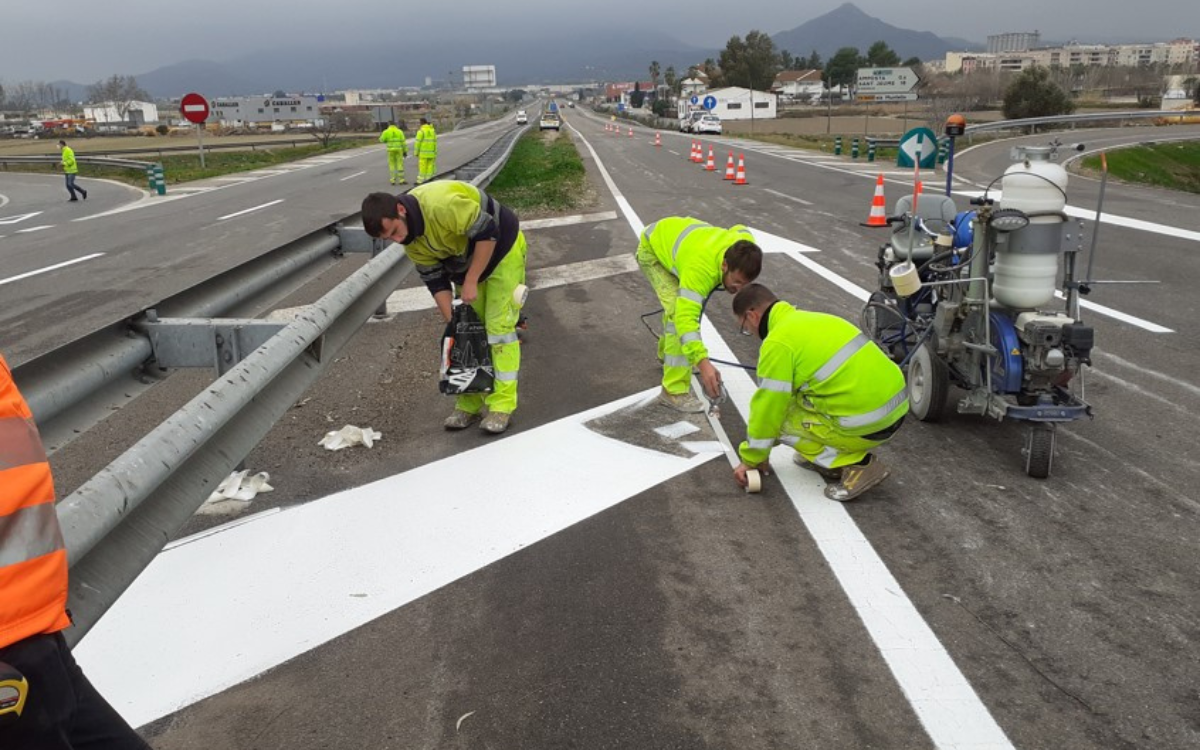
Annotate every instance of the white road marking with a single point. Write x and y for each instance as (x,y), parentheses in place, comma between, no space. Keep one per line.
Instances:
(1118,315)
(34,229)
(265,591)
(773,243)
(785,196)
(248,210)
(945,703)
(47,269)
(563,221)
(352,176)
(19,218)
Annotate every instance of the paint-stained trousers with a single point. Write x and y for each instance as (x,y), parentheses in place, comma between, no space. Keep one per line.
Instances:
(425,168)
(396,165)
(822,442)
(677,371)
(499,313)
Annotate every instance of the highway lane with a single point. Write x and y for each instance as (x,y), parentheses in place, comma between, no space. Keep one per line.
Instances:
(145,250)
(686,614)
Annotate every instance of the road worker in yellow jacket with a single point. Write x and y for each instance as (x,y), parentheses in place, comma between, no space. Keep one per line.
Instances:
(684,260)
(458,235)
(425,144)
(397,149)
(46,702)
(824,388)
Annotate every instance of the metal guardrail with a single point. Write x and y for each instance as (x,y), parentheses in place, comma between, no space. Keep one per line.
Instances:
(101,161)
(1033,122)
(308,140)
(119,520)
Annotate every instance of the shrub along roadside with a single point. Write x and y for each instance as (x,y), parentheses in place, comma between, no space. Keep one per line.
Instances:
(543,174)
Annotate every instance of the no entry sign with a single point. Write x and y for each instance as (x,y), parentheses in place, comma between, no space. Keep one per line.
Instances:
(194,108)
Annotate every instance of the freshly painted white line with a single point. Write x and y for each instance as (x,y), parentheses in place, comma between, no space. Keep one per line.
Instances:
(1138,224)
(18,218)
(947,706)
(417,298)
(564,221)
(773,243)
(266,591)
(1140,369)
(785,196)
(676,430)
(945,703)
(47,269)
(248,210)
(626,209)
(352,176)
(34,229)
(1118,315)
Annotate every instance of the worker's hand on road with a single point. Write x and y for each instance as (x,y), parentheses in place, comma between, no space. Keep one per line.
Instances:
(710,378)
(469,292)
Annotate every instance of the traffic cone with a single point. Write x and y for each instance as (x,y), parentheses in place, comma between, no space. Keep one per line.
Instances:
(657,139)
(741,171)
(692,156)
(729,168)
(878,215)
(699,157)
(710,166)
(630,132)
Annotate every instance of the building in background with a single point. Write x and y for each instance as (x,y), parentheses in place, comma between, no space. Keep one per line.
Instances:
(266,111)
(737,103)
(1013,41)
(798,85)
(479,77)
(135,113)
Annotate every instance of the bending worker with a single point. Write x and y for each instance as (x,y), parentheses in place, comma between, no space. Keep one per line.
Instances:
(824,388)
(425,144)
(458,235)
(685,260)
(397,149)
(46,702)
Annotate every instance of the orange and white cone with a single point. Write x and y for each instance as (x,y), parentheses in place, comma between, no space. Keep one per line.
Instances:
(692,156)
(710,165)
(699,153)
(729,168)
(878,215)
(741,171)
(657,139)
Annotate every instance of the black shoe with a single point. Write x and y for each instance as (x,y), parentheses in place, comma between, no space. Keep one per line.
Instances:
(85,195)
(72,200)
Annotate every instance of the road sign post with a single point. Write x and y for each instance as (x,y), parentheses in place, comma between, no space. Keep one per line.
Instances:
(194,109)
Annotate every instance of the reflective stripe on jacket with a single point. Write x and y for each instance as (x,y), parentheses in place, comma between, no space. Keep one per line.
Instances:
(33,560)
(828,366)
(693,251)
(426,142)
(68,161)
(394,138)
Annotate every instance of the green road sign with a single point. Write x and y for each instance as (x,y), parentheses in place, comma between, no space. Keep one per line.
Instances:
(918,142)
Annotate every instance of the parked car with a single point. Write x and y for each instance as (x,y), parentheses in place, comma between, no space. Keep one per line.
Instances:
(522,118)
(686,123)
(707,124)
(550,121)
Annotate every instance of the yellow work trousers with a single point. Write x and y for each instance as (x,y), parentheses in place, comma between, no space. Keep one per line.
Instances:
(425,168)
(395,166)
(677,371)
(499,312)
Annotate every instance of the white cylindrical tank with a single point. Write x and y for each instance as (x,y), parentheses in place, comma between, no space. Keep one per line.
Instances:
(1026,269)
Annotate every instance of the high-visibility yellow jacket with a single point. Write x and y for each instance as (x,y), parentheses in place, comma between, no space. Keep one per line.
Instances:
(693,252)
(828,366)
(33,559)
(445,219)
(68,161)
(426,142)
(394,138)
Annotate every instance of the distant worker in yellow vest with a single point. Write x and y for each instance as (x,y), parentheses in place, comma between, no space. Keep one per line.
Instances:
(685,260)
(426,148)
(824,388)
(397,149)
(71,169)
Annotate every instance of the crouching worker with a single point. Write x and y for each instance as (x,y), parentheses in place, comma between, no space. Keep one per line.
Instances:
(824,388)
(685,260)
(457,235)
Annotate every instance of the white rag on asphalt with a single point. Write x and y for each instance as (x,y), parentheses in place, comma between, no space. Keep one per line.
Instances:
(235,492)
(350,436)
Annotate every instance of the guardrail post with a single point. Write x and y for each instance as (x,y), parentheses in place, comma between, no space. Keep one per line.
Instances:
(854,148)
(837,146)
(871,149)
(160,179)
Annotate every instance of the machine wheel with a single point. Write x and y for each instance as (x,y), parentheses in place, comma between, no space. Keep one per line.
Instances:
(1039,450)
(928,384)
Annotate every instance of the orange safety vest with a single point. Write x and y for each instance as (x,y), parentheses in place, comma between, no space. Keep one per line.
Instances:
(33,558)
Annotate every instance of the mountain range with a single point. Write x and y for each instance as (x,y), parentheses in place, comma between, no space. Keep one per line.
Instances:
(594,55)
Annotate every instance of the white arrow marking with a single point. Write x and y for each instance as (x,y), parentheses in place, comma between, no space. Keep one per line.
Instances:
(18,218)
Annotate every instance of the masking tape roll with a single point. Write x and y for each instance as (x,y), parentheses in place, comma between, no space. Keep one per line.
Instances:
(520,294)
(905,279)
(753,482)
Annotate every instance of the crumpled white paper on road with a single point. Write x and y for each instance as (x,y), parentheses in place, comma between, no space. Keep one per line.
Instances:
(235,492)
(350,436)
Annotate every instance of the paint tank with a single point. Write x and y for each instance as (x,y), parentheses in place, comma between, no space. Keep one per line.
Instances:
(1026,268)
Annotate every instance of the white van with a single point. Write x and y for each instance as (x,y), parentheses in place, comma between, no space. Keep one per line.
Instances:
(522,118)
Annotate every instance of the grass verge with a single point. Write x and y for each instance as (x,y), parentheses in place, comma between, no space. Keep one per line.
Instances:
(544,174)
(180,168)
(1175,166)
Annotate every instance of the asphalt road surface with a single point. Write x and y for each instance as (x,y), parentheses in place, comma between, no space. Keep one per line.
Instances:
(594,578)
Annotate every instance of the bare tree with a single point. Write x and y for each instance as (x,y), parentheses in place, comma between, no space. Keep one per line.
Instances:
(122,91)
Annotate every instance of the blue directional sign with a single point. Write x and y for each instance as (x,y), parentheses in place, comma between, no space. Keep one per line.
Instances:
(620,106)
(320,97)
(710,102)
(695,99)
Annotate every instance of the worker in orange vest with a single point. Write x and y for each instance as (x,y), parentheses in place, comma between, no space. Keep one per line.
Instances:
(46,702)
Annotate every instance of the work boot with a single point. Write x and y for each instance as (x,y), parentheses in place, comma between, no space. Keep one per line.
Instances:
(84,194)
(857,479)
(682,402)
(495,422)
(460,420)
(829,475)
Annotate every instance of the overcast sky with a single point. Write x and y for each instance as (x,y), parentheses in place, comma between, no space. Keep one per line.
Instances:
(87,41)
